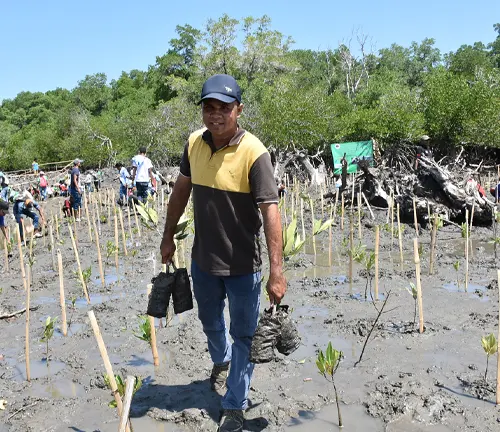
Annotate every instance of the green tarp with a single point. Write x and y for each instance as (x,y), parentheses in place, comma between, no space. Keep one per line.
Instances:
(354,152)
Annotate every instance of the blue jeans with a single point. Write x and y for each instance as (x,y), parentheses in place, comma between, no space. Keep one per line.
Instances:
(77,199)
(43,193)
(123,194)
(243,293)
(142,191)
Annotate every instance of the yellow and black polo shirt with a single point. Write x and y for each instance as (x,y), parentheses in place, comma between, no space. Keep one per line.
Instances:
(228,185)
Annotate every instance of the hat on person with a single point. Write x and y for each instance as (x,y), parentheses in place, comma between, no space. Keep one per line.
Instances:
(4,206)
(42,173)
(221,87)
(77,161)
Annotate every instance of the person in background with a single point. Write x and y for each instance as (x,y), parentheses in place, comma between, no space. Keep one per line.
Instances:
(34,166)
(75,189)
(24,207)
(142,173)
(124,178)
(4,208)
(4,189)
(43,183)
(67,206)
(282,189)
(88,181)
(63,189)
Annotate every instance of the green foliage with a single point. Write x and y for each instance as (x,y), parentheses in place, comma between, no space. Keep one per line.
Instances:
(144,329)
(292,243)
(182,228)
(48,332)
(120,384)
(110,248)
(149,216)
(320,226)
(103,218)
(490,347)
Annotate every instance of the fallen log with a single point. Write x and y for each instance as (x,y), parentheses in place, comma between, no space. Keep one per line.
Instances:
(18,312)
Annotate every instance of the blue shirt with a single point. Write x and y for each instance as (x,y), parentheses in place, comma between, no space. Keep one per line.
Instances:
(2,221)
(35,166)
(20,206)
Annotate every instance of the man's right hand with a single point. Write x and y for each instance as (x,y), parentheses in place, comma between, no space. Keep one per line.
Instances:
(167,249)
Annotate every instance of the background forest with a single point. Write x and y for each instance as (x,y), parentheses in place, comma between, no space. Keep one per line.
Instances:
(306,98)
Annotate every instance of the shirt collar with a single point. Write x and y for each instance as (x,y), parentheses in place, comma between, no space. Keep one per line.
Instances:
(235,140)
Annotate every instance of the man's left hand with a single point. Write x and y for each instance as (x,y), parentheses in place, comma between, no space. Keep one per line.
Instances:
(276,286)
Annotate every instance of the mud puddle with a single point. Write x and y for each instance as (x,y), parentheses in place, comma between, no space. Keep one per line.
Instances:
(38,369)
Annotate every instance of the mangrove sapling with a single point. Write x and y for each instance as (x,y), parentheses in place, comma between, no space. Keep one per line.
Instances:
(110,249)
(292,243)
(380,311)
(414,294)
(48,332)
(121,387)
(144,329)
(73,309)
(490,347)
(369,263)
(456,266)
(328,364)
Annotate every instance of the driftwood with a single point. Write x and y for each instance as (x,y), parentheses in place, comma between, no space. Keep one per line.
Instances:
(19,312)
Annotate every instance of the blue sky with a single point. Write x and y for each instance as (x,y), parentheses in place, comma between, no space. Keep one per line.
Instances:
(55,43)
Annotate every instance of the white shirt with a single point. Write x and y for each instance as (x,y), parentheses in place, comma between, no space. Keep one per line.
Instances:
(123,176)
(142,164)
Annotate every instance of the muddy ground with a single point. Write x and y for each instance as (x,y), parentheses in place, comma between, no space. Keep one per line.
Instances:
(406,382)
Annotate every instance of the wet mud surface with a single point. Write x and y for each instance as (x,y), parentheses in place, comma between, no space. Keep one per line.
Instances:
(406,382)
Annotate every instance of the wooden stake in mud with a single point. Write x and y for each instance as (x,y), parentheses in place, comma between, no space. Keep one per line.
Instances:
(433,244)
(419,286)
(351,246)
(21,259)
(129,224)
(117,241)
(6,250)
(61,293)
(88,218)
(352,193)
(77,257)
(335,205)
(498,347)
(377,247)
(136,220)
(302,218)
(466,249)
(24,231)
(99,257)
(27,330)
(400,238)
(156,358)
(57,226)
(360,233)
(392,219)
(311,204)
(124,238)
(127,402)
(415,220)
(107,363)
(342,214)
(330,238)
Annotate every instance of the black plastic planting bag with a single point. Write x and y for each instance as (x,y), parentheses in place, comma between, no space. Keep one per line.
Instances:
(275,330)
(181,295)
(159,298)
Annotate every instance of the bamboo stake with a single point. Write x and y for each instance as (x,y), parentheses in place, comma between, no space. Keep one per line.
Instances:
(6,249)
(162,200)
(322,206)
(99,256)
(127,401)
(352,193)
(129,224)
(24,231)
(351,246)
(52,247)
(466,249)
(360,233)
(335,205)
(154,349)
(107,363)
(21,259)
(88,218)
(400,237)
(108,203)
(27,330)
(77,256)
(117,241)
(377,247)
(415,221)
(419,286)
(57,226)
(302,218)
(342,214)
(392,219)
(136,220)
(433,244)
(330,238)
(61,293)
(498,347)
(368,205)
(124,238)
(312,220)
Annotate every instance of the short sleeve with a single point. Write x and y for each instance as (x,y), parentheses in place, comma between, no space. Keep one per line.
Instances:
(185,166)
(134,162)
(264,188)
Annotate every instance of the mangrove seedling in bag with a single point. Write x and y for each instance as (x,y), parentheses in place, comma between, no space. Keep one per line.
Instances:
(490,347)
(48,332)
(328,364)
(144,332)
(121,387)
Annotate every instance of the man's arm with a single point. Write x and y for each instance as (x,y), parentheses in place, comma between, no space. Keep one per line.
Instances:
(4,230)
(276,285)
(175,209)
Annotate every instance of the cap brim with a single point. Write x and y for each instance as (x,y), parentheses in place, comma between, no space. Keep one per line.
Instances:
(219,96)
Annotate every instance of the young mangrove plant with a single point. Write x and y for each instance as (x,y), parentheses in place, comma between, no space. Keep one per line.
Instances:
(369,264)
(413,291)
(490,347)
(73,309)
(456,266)
(149,216)
(292,243)
(110,249)
(144,332)
(121,387)
(328,364)
(48,332)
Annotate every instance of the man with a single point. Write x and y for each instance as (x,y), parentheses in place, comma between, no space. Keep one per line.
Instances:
(34,166)
(4,188)
(43,183)
(230,173)
(142,172)
(124,178)
(4,208)
(75,189)
(24,207)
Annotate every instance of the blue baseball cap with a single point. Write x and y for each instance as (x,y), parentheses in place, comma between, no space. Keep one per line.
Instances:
(221,87)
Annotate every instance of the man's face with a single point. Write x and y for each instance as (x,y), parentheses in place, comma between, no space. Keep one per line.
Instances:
(220,118)
(2,212)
